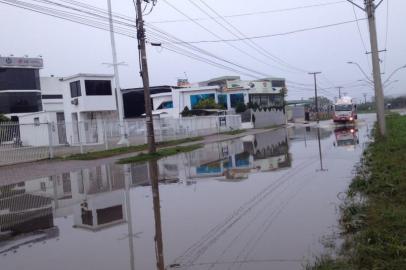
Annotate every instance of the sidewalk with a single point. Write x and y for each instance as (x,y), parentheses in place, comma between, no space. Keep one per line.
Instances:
(27,171)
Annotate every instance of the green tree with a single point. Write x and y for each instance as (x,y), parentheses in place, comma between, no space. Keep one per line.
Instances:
(240,108)
(185,112)
(208,103)
(4,118)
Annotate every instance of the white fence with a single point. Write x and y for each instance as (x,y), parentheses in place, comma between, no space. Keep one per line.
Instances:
(36,141)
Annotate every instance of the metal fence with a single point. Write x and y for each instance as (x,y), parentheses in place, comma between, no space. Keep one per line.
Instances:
(36,141)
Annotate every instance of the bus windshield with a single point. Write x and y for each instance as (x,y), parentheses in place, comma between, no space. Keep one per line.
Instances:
(343,108)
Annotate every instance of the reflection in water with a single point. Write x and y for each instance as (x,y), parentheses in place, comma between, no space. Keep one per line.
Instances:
(320,151)
(112,200)
(153,169)
(346,136)
(237,159)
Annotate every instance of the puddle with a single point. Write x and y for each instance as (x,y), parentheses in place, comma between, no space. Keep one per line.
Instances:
(260,202)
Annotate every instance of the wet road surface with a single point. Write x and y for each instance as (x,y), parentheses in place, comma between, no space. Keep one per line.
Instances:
(260,202)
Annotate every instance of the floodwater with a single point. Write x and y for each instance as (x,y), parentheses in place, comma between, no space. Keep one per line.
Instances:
(260,202)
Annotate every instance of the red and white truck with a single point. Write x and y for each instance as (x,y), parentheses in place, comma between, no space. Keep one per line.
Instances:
(345,111)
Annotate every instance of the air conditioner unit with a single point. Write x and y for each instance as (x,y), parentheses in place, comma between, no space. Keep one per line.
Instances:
(75,101)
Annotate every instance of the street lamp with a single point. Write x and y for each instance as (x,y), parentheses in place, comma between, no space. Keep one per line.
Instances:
(389,83)
(360,68)
(394,72)
(368,82)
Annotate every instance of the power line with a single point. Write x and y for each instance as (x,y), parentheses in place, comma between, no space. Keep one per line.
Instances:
(128,30)
(174,40)
(250,43)
(214,34)
(278,34)
(256,13)
(361,37)
(63,15)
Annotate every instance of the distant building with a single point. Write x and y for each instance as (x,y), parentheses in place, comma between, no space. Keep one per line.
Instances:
(65,102)
(20,88)
(227,91)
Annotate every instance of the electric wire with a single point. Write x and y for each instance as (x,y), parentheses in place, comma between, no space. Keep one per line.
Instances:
(361,37)
(216,35)
(278,34)
(255,13)
(237,33)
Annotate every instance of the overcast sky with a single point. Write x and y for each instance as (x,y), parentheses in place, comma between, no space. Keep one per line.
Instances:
(69,48)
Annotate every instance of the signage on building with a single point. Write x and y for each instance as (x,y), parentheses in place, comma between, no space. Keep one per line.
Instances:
(21,62)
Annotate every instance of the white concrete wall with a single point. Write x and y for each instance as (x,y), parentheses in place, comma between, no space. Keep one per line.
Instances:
(38,135)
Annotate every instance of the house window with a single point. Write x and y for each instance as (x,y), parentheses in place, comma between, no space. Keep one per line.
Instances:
(222,100)
(36,121)
(165,105)
(75,90)
(43,186)
(98,88)
(195,99)
(52,96)
(19,79)
(278,83)
(236,99)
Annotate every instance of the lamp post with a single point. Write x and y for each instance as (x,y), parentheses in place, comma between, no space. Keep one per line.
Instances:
(360,68)
(394,72)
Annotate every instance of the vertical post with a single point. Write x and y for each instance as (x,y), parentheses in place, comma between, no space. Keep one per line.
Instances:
(120,105)
(339,91)
(80,138)
(153,173)
(128,181)
(145,79)
(315,94)
(106,143)
(379,98)
(50,141)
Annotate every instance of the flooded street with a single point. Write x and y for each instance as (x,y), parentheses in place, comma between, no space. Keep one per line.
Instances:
(264,201)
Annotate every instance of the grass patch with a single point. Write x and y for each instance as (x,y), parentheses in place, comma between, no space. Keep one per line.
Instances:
(272,126)
(373,219)
(142,157)
(130,149)
(234,132)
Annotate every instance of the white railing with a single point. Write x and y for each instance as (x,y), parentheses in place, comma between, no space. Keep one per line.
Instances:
(36,141)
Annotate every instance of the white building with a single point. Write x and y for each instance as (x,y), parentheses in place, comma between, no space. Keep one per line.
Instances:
(227,91)
(76,106)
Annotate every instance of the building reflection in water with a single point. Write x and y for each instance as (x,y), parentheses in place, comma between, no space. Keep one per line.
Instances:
(99,198)
(235,160)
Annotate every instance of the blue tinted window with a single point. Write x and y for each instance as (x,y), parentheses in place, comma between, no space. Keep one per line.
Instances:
(195,99)
(166,105)
(236,99)
(222,100)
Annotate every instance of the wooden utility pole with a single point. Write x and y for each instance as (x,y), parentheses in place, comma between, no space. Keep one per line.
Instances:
(145,79)
(370,8)
(315,94)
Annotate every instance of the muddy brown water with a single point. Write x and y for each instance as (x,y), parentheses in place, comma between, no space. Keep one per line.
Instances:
(260,202)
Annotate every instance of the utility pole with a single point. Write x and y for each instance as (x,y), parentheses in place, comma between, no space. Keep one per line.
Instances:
(145,79)
(120,105)
(339,91)
(315,94)
(370,9)
(365,98)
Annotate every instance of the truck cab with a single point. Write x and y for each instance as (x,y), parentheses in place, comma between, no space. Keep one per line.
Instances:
(345,111)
